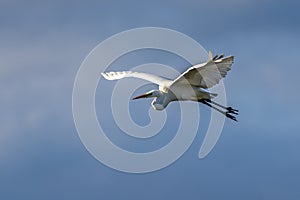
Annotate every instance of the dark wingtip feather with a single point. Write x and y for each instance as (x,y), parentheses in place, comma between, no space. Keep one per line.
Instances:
(216,56)
(221,56)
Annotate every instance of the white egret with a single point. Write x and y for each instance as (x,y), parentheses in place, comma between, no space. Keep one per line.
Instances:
(191,85)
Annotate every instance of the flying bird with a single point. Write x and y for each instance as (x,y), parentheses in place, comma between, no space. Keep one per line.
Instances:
(191,85)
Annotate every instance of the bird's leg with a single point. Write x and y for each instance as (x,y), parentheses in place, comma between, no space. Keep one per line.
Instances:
(227,113)
(229,109)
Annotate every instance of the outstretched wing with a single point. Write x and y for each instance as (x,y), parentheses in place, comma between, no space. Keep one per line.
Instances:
(207,74)
(148,77)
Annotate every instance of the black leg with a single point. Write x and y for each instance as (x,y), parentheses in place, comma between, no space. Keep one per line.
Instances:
(229,109)
(227,114)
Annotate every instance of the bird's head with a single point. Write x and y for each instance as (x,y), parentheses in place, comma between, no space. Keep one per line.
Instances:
(158,102)
(150,94)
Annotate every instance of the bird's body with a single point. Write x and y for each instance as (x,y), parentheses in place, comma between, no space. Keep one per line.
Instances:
(191,85)
(180,93)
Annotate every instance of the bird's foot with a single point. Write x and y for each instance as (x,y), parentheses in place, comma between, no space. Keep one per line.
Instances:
(230,116)
(231,110)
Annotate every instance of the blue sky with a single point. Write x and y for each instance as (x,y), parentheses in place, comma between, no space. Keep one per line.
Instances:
(42,46)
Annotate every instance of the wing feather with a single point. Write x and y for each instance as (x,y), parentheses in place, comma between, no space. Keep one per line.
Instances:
(145,76)
(207,74)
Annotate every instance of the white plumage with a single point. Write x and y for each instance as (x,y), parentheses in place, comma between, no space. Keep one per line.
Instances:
(190,85)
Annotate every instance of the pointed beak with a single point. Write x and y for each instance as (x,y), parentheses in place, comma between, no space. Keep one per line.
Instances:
(141,96)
